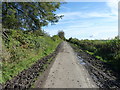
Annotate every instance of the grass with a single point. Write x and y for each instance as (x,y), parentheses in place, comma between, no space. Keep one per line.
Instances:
(105,50)
(90,52)
(22,50)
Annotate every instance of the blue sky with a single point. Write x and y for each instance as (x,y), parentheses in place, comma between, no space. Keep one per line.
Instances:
(87,20)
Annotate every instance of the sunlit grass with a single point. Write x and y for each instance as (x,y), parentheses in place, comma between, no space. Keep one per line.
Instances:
(23,50)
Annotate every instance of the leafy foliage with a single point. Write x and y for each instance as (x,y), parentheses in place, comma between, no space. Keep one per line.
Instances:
(24,48)
(61,34)
(105,50)
(29,15)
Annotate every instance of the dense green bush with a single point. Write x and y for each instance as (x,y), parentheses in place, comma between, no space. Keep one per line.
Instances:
(105,50)
(24,48)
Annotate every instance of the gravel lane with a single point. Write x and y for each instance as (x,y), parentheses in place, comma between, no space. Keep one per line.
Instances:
(66,72)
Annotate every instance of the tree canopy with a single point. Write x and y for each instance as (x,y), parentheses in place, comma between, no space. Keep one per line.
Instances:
(29,15)
(61,34)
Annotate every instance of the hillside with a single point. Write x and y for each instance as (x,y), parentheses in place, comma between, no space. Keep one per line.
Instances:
(21,49)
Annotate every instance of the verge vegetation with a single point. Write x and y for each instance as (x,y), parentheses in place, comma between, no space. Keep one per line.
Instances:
(23,40)
(105,50)
(21,49)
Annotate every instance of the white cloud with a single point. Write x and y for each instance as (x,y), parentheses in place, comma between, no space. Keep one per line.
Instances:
(97,32)
(113,4)
(86,29)
(81,24)
(66,8)
(77,17)
(73,15)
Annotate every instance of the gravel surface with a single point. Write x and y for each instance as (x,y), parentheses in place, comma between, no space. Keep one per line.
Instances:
(66,72)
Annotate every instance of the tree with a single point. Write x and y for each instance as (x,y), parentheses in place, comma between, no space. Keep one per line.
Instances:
(61,34)
(29,15)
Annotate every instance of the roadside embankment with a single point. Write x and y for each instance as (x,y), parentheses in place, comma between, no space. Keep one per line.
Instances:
(27,77)
(100,71)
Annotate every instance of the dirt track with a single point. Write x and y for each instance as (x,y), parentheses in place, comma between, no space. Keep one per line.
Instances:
(66,72)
